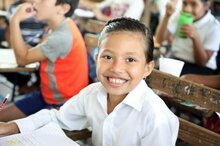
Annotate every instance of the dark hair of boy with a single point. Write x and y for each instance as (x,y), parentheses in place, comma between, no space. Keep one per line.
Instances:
(73,5)
(132,25)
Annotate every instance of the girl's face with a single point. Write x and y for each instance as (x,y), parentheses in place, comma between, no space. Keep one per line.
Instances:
(121,62)
(196,8)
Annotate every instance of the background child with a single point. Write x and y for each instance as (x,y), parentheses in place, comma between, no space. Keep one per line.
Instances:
(62,57)
(109,9)
(32,32)
(199,47)
(121,108)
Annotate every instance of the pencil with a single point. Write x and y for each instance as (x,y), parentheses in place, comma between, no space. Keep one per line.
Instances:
(4,101)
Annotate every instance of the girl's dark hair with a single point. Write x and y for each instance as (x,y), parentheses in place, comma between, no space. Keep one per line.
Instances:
(204,1)
(132,25)
(73,5)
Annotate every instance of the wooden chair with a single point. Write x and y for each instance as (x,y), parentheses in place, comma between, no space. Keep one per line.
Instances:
(91,41)
(89,25)
(94,26)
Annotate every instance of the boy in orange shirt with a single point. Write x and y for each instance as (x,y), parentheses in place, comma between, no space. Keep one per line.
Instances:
(62,57)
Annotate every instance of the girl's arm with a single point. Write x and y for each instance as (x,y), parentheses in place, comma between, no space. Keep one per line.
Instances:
(8,128)
(162,32)
(201,54)
(23,54)
(212,81)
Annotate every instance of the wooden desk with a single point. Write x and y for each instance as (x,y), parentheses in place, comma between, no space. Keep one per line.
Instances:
(16,70)
(8,64)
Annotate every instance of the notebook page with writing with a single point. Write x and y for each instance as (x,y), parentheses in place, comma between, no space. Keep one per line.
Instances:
(49,135)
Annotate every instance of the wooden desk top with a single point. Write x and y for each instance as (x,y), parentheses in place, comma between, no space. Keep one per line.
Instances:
(8,63)
(19,69)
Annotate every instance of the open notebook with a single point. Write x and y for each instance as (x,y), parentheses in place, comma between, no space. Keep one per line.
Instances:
(7,59)
(49,135)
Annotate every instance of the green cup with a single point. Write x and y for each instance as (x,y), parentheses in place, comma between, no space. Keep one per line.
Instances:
(184,18)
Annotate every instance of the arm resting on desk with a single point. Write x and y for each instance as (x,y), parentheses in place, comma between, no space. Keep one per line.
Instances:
(8,128)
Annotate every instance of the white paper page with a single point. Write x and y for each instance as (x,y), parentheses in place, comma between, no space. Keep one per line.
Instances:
(7,59)
(49,135)
(84,13)
(3,13)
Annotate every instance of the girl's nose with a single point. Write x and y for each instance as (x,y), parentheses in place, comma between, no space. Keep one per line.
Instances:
(117,66)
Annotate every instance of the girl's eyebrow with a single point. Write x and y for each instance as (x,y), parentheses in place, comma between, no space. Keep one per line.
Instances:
(131,52)
(128,52)
(106,50)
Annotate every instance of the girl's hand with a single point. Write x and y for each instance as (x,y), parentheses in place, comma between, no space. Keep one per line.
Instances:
(170,7)
(8,128)
(189,31)
(24,11)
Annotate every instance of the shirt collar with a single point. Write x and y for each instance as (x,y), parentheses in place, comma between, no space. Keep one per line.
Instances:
(134,98)
(203,20)
(102,96)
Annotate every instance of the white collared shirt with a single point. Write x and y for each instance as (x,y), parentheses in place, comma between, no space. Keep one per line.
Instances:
(141,119)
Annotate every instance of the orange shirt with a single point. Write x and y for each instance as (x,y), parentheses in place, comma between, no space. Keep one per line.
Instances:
(64,76)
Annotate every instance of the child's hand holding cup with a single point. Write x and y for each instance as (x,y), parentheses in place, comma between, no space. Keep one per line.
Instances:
(184,18)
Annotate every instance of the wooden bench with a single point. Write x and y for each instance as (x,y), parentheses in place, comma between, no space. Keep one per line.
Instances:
(186,90)
(177,89)
(189,91)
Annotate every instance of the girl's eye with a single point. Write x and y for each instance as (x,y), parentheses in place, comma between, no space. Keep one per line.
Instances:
(131,60)
(107,57)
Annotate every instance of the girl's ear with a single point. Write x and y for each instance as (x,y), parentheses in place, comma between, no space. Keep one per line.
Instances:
(149,68)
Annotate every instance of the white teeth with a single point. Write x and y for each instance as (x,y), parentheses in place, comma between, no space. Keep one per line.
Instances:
(116,81)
